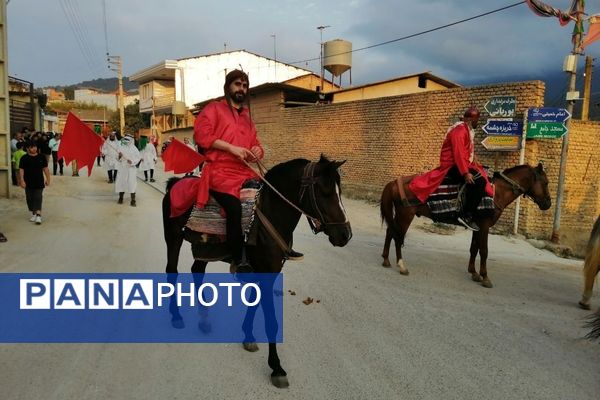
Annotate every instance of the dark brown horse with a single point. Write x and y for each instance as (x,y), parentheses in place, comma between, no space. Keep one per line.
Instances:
(510,184)
(312,186)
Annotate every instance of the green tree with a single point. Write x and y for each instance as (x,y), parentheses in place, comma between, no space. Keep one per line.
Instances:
(134,121)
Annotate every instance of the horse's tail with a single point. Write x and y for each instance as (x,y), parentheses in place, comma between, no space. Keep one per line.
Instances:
(166,206)
(592,260)
(594,323)
(387,206)
(171,182)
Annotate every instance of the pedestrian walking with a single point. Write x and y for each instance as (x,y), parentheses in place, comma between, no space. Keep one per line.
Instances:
(128,157)
(34,176)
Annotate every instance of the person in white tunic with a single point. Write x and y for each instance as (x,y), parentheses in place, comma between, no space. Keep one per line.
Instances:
(128,157)
(192,146)
(148,161)
(110,151)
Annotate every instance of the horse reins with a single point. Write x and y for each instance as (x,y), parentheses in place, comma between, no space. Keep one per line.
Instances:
(313,222)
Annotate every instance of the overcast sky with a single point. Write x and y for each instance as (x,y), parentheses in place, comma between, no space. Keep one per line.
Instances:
(43,48)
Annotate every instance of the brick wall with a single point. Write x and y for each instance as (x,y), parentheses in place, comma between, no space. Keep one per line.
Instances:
(388,137)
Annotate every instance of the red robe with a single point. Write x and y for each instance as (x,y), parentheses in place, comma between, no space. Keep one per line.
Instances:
(457,149)
(222,171)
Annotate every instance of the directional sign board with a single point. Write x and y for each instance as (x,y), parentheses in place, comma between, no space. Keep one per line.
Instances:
(501,106)
(502,127)
(502,143)
(545,130)
(547,114)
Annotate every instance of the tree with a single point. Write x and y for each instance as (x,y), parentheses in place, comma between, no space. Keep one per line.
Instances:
(134,121)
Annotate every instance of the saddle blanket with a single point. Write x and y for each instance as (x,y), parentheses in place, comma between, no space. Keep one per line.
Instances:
(211,219)
(446,202)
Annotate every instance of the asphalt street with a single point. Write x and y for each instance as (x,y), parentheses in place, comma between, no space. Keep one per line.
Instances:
(374,333)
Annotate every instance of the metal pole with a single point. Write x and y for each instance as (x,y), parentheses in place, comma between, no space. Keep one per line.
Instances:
(521,162)
(320,28)
(565,142)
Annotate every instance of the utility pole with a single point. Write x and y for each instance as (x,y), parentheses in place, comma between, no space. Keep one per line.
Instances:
(572,71)
(320,28)
(116,60)
(587,89)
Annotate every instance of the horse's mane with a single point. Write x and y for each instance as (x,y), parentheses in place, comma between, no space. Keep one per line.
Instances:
(512,169)
(279,171)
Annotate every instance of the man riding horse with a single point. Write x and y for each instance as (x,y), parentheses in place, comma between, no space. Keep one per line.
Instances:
(227,134)
(457,160)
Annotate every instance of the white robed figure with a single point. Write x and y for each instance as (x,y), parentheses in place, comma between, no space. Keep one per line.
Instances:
(148,161)
(110,151)
(128,157)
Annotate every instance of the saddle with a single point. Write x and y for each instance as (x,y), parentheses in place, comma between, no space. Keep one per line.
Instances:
(446,202)
(206,227)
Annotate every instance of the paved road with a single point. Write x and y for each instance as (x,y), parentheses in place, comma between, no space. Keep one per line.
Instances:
(374,334)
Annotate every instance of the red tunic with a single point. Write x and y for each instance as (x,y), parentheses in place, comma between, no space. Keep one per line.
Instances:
(222,171)
(457,149)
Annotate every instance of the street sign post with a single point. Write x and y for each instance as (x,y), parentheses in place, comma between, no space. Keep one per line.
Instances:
(503,127)
(501,106)
(502,143)
(546,130)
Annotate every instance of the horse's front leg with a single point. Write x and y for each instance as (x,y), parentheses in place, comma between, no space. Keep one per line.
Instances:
(248,326)
(386,247)
(278,376)
(474,250)
(198,271)
(484,229)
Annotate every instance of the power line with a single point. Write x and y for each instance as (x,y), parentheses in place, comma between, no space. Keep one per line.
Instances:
(83,32)
(105,29)
(416,34)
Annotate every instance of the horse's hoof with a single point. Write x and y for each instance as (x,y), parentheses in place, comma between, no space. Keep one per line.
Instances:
(401,268)
(584,306)
(251,347)
(280,382)
(204,327)
(487,283)
(476,277)
(386,263)
(177,323)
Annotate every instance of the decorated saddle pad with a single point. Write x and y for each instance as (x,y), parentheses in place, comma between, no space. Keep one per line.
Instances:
(210,220)
(446,202)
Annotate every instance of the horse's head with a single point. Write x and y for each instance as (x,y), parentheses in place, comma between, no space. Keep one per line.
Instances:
(538,191)
(321,198)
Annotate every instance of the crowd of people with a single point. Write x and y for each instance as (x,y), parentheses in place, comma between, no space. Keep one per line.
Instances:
(32,152)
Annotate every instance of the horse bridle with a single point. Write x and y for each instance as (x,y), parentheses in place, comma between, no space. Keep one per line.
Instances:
(518,189)
(307,184)
(307,181)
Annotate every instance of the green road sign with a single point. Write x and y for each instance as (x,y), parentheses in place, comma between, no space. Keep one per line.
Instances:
(545,130)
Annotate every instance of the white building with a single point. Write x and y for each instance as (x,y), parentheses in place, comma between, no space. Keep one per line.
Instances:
(108,100)
(169,85)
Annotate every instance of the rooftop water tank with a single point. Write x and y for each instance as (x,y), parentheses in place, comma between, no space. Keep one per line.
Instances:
(337,56)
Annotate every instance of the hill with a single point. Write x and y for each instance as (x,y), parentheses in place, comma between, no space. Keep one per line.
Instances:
(105,84)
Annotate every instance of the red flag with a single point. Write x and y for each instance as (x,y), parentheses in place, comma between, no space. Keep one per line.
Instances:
(79,143)
(181,159)
(593,32)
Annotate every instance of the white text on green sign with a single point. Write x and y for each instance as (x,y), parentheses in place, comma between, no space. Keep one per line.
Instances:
(545,130)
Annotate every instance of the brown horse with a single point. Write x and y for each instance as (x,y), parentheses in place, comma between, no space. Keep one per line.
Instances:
(590,267)
(523,180)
